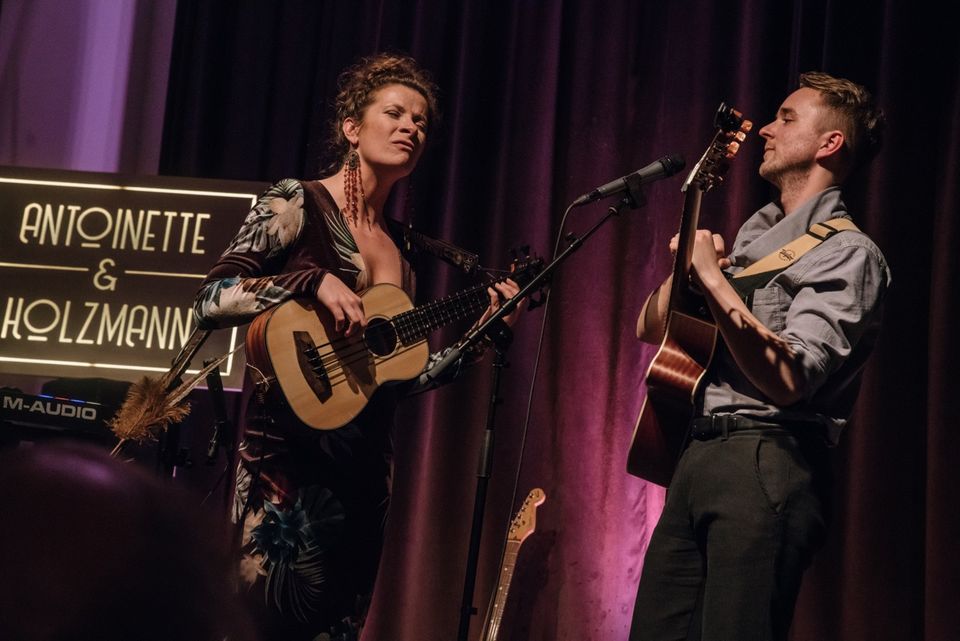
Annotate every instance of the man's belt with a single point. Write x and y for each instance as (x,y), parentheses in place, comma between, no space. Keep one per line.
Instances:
(705,428)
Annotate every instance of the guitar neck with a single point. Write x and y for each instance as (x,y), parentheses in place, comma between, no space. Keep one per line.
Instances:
(492,626)
(414,325)
(725,143)
(680,294)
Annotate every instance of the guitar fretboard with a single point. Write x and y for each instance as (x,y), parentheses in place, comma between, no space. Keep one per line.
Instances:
(492,628)
(414,325)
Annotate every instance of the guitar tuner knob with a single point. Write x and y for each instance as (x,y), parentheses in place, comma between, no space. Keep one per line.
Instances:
(733,148)
(746,126)
(741,136)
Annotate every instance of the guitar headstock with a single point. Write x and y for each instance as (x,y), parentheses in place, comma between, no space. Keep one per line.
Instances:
(732,130)
(525,521)
(524,267)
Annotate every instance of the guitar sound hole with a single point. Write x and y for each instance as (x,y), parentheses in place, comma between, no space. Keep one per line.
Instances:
(380,337)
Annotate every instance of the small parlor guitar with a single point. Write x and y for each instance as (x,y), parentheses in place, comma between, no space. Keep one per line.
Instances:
(690,335)
(327,378)
(521,527)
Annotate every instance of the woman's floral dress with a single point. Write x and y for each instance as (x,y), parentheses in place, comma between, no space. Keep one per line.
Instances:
(311,503)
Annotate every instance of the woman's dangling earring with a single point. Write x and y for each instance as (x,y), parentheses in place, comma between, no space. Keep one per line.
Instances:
(353,186)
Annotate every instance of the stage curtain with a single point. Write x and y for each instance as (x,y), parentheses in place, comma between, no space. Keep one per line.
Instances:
(544,101)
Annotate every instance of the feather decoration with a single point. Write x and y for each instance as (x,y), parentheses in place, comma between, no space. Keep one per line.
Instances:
(146,411)
(151,406)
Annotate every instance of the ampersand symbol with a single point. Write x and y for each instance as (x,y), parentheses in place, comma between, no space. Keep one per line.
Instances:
(102,280)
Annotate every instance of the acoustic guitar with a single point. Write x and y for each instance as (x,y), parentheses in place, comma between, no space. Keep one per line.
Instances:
(521,527)
(676,371)
(326,378)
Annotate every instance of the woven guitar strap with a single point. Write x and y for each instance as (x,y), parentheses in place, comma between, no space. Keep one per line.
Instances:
(762,272)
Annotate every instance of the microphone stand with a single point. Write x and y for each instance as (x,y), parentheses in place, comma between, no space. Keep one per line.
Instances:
(171,453)
(501,336)
(499,333)
(222,434)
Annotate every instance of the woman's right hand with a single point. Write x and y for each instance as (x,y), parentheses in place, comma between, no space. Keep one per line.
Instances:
(343,303)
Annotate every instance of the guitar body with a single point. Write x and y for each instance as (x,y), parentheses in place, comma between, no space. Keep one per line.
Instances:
(329,391)
(690,335)
(673,378)
(326,378)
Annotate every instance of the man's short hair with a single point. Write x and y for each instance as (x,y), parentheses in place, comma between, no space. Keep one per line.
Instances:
(853,111)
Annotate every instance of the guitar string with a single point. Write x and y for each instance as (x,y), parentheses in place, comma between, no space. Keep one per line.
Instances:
(407,321)
(409,318)
(341,376)
(405,336)
(405,326)
(362,353)
(337,364)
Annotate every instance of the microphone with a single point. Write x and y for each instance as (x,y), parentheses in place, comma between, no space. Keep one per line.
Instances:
(663,168)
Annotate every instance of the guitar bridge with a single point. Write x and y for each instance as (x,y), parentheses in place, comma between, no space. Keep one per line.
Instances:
(311,365)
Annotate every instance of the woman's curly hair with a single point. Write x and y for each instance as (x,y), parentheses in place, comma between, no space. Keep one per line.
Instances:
(356,87)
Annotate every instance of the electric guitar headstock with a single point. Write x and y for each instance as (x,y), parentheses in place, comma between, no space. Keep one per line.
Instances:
(732,130)
(525,521)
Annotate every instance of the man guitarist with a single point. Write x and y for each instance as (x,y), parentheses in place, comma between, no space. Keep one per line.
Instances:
(746,506)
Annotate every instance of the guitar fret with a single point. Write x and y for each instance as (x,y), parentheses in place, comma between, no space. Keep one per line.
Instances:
(415,324)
